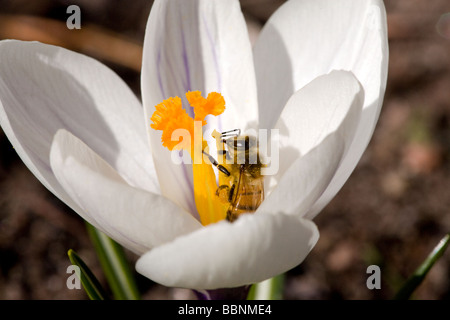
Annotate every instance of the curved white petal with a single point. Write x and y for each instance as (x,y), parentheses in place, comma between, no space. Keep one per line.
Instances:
(252,249)
(307,38)
(137,219)
(329,105)
(45,88)
(196,45)
(306,179)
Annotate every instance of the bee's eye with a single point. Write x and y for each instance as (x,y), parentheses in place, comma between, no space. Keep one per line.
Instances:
(241,143)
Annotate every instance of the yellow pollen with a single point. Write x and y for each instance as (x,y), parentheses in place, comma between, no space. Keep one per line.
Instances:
(174,122)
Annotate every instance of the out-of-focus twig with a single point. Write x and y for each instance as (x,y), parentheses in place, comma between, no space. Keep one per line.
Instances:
(90,39)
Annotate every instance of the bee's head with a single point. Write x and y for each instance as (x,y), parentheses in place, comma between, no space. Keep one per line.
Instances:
(241,143)
(243,149)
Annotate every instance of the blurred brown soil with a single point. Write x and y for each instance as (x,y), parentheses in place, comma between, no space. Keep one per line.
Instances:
(392,211)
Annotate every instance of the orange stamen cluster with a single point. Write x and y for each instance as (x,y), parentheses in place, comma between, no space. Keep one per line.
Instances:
(214,104)
(170,116)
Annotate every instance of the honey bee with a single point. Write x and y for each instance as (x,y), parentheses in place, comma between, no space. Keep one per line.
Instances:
(241,184)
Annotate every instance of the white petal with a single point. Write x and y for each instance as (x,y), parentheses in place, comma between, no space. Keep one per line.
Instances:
(137,219)
(252,249)
(196,45)
(45,88)
(306,179)
(331,104)
(307,38)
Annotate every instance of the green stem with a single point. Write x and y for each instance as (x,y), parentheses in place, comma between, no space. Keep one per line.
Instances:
(270,289)
(115,265)
(419,275)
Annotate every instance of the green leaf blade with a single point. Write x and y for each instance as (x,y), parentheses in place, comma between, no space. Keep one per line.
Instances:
(115,265)
(90,283)
(419,275)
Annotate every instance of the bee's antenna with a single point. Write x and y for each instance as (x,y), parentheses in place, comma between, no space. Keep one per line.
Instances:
(230,133)
(216,164)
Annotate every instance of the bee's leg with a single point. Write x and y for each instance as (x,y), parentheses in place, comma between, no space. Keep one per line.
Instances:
(230,196)
(216,164)
(231,217)
(223,193)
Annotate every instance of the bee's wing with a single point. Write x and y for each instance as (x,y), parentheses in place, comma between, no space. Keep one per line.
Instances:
(249,194)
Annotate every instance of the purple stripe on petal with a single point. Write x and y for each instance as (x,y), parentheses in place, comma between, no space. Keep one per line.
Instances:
(173,77)
(187,84)
(214,54)
(216,64)
(158,63)
(187,71)
(190,197)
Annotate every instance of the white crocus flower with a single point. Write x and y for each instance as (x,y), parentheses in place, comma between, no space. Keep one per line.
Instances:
(83,133)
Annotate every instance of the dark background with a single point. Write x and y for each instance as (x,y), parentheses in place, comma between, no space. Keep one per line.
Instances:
(392,211)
